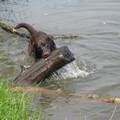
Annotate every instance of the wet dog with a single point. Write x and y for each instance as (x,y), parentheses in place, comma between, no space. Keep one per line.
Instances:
(40,45)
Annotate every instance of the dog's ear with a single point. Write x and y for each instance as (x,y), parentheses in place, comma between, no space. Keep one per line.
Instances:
(52,44)
(31,49)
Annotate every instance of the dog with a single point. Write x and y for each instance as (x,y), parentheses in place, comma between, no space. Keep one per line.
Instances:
(40,45)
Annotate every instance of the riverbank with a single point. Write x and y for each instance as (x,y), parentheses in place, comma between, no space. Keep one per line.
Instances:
(16,105)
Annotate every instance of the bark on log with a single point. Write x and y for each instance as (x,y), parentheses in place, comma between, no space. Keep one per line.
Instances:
(68,96)
(44,67)
(9,29)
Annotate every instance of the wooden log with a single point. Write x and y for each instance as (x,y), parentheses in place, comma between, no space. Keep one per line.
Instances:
(9,29)
(44,67)
(69,96)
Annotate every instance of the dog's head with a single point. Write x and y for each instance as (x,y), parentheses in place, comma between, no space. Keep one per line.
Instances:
(43,46)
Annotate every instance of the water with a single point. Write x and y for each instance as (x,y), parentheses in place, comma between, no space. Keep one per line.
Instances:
(72,70)
(97,65)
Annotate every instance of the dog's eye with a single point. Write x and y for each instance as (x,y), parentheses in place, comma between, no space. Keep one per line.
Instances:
(39,49)
(46,45)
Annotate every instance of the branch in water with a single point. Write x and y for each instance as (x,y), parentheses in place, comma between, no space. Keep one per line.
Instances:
(68,96)
(7,28)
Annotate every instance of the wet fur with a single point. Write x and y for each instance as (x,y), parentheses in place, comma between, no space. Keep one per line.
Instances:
(40,45)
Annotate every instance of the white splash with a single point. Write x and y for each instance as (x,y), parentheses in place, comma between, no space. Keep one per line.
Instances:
(71,70)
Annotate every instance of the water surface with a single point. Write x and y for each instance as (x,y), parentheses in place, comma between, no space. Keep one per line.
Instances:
(97,65)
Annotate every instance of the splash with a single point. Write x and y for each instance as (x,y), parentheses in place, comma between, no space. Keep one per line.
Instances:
(74,70)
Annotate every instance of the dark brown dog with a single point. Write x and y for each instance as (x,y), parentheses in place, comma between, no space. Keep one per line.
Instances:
(40,45)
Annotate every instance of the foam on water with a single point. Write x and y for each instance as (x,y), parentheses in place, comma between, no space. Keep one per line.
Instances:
(73,70)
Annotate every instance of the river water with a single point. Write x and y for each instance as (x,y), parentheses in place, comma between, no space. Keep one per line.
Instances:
(97,66)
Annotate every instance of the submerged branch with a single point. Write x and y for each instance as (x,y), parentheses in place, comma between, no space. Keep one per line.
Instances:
(7,28)
(69,96)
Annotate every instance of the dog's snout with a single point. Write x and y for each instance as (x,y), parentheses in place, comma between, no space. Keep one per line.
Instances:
(46,54)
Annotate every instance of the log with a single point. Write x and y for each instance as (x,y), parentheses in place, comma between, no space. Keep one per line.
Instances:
(9,29)
(44,67)
(68,96)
